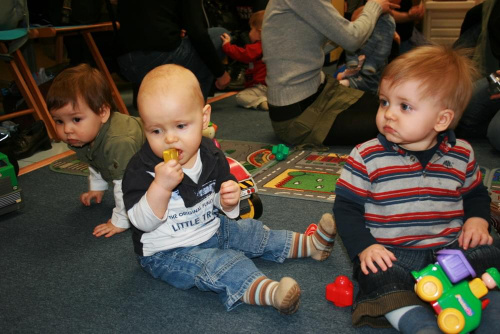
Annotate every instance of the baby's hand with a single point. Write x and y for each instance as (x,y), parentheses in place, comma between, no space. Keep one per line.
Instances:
(225,38)
(229,195)
(376,254)
(168,174)
(474,233)
(86,198)
(107,229)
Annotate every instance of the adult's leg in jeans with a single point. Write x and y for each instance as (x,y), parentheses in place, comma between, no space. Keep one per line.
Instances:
(192,60)
(351,59)
(356,124)
(135,65)
(366,81)
(377,50)
(379,45)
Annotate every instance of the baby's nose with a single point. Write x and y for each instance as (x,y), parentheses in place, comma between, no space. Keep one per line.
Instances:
(170,138)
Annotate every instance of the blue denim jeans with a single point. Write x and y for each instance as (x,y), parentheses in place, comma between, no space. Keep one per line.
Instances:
(135,65)
(398,278)
(377,50)
(223,263)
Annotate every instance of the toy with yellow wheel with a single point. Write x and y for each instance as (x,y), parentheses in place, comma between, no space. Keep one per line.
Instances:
(458,302)
(429,288)
(451,321)
(250,203)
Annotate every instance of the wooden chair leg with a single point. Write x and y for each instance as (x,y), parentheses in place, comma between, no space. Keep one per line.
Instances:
(120,105)
(37,95)
(59,49)
(29,89)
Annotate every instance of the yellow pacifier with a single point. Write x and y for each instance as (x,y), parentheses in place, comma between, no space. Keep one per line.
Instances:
(170,154)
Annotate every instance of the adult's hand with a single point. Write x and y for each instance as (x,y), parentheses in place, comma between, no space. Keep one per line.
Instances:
(223,81)
(416,13)
(387,5)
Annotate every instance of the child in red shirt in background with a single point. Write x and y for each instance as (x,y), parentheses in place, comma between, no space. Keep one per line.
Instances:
(255,93)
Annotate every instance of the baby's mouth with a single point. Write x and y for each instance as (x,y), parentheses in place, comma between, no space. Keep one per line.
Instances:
(389,129)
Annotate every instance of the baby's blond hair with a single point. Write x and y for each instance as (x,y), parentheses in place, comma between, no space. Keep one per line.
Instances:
(164,77)
(444,74)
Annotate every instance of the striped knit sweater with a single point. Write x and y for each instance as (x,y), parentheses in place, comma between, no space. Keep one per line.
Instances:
(407,205)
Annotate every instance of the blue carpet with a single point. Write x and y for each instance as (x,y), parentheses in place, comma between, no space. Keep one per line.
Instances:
(55,277)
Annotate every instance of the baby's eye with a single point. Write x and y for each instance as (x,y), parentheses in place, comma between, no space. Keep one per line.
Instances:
(58,121)
(77,119)
(405,107)
(155,131)
(181,126)
(384,103)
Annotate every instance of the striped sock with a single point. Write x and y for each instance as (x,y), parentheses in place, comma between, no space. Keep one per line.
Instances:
(319,245)
(261,292)
(283,295)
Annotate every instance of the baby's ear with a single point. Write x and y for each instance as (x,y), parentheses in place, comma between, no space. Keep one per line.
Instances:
(444,119)
(207,110)
(104,113)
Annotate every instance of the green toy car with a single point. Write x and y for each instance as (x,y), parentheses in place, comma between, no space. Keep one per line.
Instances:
(11,198)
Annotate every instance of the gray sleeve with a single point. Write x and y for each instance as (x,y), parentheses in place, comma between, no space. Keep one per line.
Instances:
(329,22)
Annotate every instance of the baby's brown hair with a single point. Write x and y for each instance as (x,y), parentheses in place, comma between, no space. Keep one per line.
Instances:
(443,73)
(81,81)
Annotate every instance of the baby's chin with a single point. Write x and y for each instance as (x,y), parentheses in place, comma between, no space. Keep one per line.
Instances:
(75,143)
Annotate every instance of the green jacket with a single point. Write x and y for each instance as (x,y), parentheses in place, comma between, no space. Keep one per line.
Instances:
(118,140)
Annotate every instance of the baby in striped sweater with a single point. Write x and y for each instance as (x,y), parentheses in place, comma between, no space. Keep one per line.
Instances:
(413,190)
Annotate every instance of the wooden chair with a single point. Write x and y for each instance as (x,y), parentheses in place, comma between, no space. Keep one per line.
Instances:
(86,31)
(24,80)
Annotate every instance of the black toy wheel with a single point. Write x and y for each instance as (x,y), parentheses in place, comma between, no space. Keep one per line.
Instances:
(252,208)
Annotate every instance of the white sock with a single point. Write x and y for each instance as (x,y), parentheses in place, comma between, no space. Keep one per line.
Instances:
(394,316)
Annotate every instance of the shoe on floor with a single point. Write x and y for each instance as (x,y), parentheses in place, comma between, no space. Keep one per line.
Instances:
(31,140)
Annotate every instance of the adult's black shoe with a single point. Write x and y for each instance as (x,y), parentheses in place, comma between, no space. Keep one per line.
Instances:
(31,140)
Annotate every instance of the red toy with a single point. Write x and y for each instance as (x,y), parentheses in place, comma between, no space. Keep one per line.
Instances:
(340,292)
(250,203)
(311,229)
